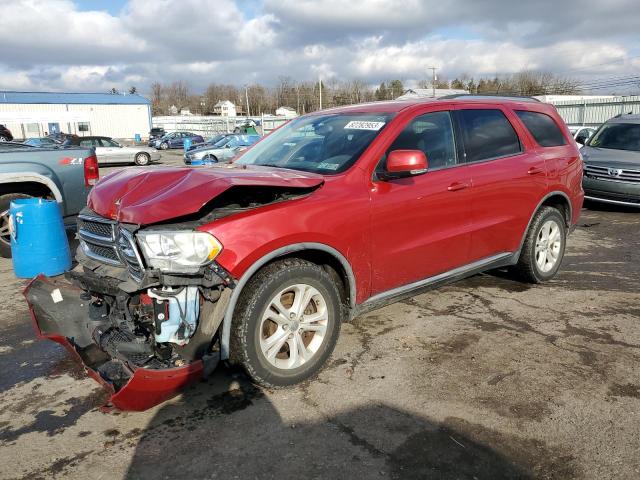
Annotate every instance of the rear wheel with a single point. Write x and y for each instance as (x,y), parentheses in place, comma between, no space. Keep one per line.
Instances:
(286,323)
(543,248)
(142,159)
(5,234)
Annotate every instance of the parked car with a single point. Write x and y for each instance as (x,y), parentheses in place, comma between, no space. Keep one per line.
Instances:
(581,134)
(209,141)
(259,261)
(64,137)
(5,134)
(612,162)
(110,151)
(42,142)
(156,132)
(175,140)
(64,175)
(223,150)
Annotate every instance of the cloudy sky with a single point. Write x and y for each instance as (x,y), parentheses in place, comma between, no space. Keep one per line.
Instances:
(93,45)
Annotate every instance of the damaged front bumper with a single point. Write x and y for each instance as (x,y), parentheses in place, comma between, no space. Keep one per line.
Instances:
(67,314)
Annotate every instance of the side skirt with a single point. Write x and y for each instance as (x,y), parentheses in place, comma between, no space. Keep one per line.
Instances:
(391,296)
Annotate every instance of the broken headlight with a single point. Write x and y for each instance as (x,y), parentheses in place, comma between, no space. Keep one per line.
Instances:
(178,251)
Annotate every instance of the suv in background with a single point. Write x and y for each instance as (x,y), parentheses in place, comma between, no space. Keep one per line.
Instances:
(5,134)
(156,132)
(612,162)
(335,213)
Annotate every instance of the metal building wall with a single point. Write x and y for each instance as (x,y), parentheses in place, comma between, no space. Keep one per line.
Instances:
(117,121)
(593,112)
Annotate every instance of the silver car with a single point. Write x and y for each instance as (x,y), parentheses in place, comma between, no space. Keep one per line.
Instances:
(225,149)
(110,151)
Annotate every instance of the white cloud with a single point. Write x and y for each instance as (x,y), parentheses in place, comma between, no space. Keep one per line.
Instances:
(54,45)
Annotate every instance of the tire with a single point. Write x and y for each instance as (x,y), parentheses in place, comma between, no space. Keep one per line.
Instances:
(5,238)
(531,266)
(211,158)
(142,159)
(164,146)
(250,332)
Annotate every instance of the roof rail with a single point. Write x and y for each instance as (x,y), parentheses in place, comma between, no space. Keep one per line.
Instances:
(490,97)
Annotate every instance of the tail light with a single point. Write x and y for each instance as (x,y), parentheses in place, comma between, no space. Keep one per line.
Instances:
(91,173)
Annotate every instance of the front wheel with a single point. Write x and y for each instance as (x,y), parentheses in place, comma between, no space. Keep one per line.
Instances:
(142,159)
(164,145)
(286,323)
(543,248)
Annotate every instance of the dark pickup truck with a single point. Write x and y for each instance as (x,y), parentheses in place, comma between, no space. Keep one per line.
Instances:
(65,175)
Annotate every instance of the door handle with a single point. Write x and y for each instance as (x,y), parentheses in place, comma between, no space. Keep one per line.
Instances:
(455,186)
(535,171)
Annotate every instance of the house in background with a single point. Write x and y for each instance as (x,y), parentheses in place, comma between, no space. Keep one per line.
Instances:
(286,112)
(225,108)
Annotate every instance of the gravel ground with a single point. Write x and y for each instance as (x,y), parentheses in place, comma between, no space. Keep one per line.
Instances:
(486,378)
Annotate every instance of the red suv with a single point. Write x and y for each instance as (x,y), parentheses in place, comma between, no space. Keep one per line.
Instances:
(259,261)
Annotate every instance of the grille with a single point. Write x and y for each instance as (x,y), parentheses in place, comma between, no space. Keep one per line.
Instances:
(612,174)
(104,230)
(103,241)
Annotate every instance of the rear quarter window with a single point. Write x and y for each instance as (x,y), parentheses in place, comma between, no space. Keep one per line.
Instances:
(543,128)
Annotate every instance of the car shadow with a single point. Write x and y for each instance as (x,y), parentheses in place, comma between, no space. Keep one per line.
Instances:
(225,427)
(609,207)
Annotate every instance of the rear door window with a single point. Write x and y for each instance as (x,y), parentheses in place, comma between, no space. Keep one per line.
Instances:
(543,128)
(487,134)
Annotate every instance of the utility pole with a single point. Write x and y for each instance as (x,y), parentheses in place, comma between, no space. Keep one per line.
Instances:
(433,81)
(320,88)
(246,96)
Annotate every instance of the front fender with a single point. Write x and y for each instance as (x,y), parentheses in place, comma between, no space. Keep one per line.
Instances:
(225,333)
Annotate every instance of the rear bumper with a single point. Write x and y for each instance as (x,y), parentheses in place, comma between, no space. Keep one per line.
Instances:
(59,313)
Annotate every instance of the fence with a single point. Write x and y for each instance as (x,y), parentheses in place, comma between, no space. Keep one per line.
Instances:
(590,112)
(593,112)
(208,126)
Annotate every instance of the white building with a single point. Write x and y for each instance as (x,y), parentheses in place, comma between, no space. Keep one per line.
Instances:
(225,108)
(414,93)
(34,114)
(286,112)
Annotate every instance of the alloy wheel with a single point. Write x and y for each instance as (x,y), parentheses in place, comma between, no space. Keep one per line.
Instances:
(548,246)
(293,326)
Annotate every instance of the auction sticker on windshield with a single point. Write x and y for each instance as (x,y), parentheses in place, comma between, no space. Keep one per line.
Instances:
(362,125)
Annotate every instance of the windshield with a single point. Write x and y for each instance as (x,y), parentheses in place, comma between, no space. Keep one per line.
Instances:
(617,136)
(326,144)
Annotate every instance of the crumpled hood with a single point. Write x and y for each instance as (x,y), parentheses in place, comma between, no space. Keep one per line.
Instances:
(144,195)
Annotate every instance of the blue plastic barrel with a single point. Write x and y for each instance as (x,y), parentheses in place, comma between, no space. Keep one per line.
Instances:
(196,162)
(38,239)
(187,144)
(137,138)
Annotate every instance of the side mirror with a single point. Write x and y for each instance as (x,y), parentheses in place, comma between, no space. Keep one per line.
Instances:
(405,163)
